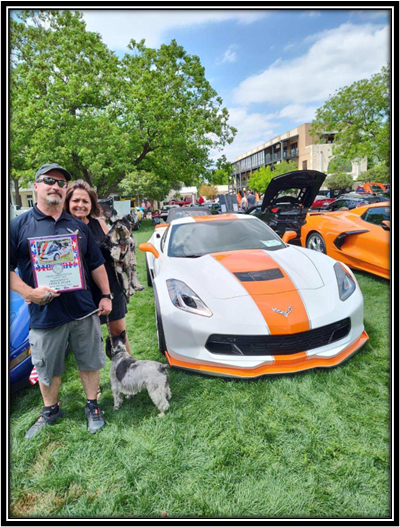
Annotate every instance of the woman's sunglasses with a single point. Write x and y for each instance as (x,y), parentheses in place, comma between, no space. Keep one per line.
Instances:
(50,181)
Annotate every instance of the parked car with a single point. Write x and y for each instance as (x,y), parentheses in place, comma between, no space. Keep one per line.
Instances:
(165,209)
(233,299)
(182,202)
(371,188)
(20,353)
(321,201)
(287,200)
(359,237)
(214,208)
(351,201)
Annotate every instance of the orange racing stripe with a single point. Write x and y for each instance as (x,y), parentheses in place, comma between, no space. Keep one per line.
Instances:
(280,294)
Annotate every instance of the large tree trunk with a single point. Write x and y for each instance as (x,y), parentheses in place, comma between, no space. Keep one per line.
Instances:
(18,200)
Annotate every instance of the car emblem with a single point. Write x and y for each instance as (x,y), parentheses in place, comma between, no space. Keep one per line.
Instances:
(284,313)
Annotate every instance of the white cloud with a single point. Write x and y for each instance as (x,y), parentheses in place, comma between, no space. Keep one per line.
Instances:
(337,58)
(311,14)
(229,56)
(118,27)
(254,129)
(298,113)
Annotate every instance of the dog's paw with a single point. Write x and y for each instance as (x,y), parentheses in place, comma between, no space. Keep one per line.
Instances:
(139,287)
(161,414)
(117,407)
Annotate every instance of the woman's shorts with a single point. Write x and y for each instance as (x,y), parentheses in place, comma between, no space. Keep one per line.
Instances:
(83,338)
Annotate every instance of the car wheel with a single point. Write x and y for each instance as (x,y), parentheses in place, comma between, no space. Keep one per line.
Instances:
(315,242)
(56,257)
(162,346)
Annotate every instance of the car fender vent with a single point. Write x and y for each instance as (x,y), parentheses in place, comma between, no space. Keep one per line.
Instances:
(260,276)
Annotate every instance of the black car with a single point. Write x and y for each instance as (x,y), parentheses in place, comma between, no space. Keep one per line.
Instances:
(287,200)
(352,201)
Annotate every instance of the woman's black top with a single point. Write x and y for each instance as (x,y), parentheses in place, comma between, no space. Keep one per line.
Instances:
(119,307)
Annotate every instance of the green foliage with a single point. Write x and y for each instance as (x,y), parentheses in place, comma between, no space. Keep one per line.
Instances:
(339,180)
(360,114)
(73,101)
(260,179)
(380,174)
(141,183)
(221,174)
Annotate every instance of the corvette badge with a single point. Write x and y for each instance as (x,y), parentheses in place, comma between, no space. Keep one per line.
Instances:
(284,313)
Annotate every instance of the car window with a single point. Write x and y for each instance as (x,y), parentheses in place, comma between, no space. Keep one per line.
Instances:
(200,238)
(377,215)
(337,204)
(164,237)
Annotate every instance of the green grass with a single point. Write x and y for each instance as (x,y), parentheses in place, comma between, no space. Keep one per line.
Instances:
(313,444)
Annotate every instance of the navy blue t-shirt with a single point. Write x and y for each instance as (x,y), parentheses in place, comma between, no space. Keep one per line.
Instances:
(69,305)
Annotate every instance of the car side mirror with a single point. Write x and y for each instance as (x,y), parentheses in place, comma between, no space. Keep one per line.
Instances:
(289,235)
(149,248)
(385,225)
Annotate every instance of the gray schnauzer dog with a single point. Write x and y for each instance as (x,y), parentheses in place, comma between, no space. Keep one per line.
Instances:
(122,245)
(129,376)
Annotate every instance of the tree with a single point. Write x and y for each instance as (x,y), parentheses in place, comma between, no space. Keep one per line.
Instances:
(221,173)
(380,174)
(73,101)
(260,179)
(359,115)
(208,191)
(339,180)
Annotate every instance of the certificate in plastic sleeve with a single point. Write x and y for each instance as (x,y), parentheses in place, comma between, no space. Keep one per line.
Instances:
(56,262)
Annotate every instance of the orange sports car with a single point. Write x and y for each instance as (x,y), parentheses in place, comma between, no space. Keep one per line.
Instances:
(359,238)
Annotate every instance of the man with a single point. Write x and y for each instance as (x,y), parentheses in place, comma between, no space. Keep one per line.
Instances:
(201,200)
(57,320)
(251,200)
(243,203)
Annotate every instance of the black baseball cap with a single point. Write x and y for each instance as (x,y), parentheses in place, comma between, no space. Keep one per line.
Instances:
(52,166)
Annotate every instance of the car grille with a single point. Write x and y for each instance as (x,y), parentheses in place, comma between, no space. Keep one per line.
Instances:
(278,344)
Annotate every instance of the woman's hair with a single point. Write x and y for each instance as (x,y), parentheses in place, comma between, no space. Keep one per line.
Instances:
(95,211)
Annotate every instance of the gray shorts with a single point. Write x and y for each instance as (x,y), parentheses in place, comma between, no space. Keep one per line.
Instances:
(49,346)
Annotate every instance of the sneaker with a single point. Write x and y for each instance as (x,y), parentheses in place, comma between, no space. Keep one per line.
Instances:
(44,419)
(95,419)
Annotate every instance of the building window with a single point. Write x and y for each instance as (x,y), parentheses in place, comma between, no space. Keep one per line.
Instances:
(29,200)
(304,165)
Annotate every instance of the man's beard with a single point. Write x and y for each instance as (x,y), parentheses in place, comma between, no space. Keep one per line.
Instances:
(54,199)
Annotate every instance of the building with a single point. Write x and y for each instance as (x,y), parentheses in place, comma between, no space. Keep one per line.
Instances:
(28,195)
(310,153)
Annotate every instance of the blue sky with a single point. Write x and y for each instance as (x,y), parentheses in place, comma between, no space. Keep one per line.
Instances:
(273,68)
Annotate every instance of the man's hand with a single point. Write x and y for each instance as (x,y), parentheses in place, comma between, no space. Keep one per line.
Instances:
(41,295)
(105,306)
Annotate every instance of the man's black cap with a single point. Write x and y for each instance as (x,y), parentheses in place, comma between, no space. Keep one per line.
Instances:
(52,166)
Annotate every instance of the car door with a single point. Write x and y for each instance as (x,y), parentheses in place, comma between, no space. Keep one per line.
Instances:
(373,246)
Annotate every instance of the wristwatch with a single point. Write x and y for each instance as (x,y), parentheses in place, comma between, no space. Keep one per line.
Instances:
(110,296)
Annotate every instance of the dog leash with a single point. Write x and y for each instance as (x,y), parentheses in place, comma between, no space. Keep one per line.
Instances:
(109,333)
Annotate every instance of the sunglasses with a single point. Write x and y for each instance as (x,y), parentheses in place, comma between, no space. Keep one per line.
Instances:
(50,181)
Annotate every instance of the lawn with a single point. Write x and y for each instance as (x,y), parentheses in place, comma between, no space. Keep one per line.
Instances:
(315,444)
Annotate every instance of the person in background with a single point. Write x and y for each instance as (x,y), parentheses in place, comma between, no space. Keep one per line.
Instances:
(201,200)
(251,200)
(243,203)
(81,202)
(59,319)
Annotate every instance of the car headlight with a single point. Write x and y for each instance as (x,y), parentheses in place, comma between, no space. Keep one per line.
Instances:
(346,283)
(184,298)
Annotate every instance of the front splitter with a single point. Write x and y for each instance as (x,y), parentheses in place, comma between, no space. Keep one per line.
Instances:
(282,363)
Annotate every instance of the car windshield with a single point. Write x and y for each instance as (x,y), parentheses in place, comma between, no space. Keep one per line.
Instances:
(191,240)
(375,188)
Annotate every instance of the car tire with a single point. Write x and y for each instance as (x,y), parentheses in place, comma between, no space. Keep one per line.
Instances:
(315,242)
(162,345)
(56,257)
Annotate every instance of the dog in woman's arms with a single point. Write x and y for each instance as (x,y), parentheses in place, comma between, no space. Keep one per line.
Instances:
(122,246)
(129,376)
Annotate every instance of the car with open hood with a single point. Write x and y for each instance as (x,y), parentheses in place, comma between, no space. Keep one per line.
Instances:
(234,299)
(287,200)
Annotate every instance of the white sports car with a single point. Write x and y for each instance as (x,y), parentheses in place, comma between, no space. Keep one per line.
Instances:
(233,299)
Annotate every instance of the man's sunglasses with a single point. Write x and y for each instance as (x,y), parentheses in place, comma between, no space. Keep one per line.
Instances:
(50,181)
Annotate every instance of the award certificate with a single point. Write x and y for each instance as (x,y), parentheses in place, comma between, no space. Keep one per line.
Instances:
(56,262)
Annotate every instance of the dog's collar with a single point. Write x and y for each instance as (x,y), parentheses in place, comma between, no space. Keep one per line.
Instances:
(118,352)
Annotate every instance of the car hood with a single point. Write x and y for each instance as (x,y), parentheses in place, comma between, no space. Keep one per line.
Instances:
(309,181)
(225,275)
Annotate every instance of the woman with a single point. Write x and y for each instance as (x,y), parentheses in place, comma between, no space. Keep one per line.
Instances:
(81,202)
